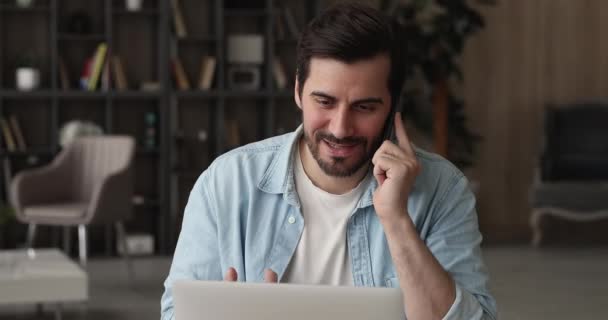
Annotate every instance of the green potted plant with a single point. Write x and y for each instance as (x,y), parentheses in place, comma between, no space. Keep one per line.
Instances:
(434,33)
(27,73)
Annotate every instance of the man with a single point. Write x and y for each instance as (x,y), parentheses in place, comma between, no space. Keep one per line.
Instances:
(334,202)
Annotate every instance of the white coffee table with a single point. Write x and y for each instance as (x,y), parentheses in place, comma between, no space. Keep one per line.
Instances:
(41,276)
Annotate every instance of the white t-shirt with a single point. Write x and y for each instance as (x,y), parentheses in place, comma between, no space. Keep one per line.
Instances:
(322,256)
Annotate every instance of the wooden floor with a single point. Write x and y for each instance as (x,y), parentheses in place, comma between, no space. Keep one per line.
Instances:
(548,283)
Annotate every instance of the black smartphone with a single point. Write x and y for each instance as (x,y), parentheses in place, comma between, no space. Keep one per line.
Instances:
(389,126)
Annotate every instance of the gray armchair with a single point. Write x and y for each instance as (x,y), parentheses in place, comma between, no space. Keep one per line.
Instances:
(572,180)
(89,182)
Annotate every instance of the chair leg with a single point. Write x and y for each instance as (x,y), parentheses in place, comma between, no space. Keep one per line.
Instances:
(82,245)
(39,310)
(537,232)
(122,242)
(58,311)
(31,235)
(67,240)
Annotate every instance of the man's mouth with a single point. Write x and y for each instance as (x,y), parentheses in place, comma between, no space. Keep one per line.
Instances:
(341,150)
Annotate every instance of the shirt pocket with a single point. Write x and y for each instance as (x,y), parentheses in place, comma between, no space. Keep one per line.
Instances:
(392,282)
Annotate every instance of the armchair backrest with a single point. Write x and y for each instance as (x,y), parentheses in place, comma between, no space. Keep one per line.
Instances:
(92,159)
(576,142)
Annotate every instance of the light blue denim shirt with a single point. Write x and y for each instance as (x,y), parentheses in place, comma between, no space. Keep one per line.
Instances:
(244,212)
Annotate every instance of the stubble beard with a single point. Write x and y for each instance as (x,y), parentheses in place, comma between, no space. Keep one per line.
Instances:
(336,167)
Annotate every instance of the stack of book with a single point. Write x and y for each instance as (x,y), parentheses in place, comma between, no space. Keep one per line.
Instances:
(285,24)
(12,134)
(96,71)
(179,23)
(206,73)
(92,70)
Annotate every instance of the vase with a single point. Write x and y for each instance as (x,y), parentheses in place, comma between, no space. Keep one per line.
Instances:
(134,5)
(27,79)
(25,3)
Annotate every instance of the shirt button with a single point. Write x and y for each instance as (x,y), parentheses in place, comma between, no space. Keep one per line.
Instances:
(291,220)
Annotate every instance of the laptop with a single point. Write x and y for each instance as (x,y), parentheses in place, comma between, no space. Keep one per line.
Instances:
(218,300)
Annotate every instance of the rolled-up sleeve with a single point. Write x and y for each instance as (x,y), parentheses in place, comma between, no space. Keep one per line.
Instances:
(196,254)
(465,306)
(455,242)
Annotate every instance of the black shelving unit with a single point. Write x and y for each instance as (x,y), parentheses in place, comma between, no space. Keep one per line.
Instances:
(202,122)
(194,126)
(42,112)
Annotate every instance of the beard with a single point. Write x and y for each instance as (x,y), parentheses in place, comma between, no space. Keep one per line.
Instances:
(339,166)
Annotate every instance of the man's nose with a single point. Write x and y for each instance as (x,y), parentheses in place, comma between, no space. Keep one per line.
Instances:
(341,124)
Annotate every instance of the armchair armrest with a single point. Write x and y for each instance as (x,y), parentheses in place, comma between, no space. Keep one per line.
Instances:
(112,198)
(46,184)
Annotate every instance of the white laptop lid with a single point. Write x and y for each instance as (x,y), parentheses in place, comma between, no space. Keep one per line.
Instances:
(218,300)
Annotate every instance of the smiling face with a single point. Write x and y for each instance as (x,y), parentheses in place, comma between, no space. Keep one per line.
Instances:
(345,107)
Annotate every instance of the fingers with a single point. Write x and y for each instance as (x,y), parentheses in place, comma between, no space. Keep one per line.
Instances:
(402,138)
(383,163)
(270,276)
(388,166)
(231,275)
(389,153)
(401,155)
(379,171)
(389,148)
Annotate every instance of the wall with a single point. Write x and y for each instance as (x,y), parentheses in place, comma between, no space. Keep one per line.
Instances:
(530,54)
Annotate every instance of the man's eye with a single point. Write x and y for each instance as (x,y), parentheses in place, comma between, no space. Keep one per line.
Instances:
(364,107)
(323,102)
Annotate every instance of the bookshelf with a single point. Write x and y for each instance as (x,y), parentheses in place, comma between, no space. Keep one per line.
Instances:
(56,32)
(194,126)
(206,123)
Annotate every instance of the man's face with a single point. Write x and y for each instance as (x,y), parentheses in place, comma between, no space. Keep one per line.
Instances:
(344,108)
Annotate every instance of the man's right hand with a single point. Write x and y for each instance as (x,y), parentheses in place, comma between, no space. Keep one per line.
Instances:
(269,275)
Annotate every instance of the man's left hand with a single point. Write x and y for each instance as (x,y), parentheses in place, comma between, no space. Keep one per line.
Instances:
(395,169)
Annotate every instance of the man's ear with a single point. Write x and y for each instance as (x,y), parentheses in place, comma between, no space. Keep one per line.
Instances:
(296,93)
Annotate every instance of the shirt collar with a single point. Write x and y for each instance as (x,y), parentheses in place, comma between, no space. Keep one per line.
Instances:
(279,176)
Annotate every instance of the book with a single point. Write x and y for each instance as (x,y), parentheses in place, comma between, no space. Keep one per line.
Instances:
(105,75)
(18,134)
(290,20)
(180,75)
(278,71)
(120,79)
(206,73)
(86,73)
(178,20)
(98,61)
(8,137)
(63,75)
(278,25)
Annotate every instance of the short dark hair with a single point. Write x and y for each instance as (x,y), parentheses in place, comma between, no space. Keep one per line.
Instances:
(351,32)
